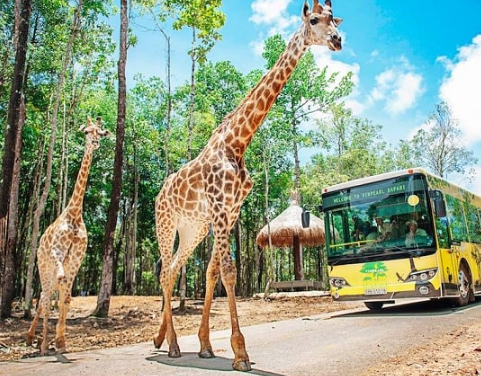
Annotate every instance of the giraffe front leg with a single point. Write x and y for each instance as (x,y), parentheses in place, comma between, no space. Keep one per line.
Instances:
(204,330)
(228,274)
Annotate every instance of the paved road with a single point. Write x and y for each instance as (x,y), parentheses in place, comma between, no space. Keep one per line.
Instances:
(329,344)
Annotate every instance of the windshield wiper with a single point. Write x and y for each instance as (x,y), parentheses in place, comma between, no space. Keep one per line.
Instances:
(346,256)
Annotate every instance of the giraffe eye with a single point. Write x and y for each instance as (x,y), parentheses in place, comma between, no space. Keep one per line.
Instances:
(314,21)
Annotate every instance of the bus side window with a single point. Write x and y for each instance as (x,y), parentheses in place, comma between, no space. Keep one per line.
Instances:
(442,231)
(473,223)
(457,221)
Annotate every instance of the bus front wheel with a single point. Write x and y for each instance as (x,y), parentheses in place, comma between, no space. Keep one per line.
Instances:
(464,286)
(374,306)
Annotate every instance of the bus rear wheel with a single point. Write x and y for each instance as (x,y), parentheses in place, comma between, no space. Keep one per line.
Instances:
(464,286)
(374,306)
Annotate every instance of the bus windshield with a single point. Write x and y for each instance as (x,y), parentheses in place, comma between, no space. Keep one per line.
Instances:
(383,220)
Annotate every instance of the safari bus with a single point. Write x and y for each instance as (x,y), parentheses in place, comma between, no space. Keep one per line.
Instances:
(403,234)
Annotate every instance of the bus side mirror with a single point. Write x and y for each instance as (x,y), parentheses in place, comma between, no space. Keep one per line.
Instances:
(305,218)
(439,206)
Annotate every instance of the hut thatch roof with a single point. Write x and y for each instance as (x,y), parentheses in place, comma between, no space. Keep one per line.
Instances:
(288,225)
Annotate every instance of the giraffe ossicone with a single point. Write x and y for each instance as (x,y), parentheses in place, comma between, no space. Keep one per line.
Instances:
(62,248)
(210,189)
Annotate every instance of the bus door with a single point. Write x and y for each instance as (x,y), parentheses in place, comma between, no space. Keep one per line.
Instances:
(447,251)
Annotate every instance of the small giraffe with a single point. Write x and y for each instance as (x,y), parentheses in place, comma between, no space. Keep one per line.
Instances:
(210,189)
(62,247)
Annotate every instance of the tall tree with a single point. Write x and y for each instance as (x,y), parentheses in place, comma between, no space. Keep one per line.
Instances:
(12,147)
(103,301)
(439,147)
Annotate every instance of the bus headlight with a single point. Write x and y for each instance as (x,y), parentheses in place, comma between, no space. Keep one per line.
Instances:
(421,275)
(338,282)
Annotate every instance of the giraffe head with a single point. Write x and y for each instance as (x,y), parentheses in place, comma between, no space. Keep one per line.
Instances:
(320,27)
(94,132)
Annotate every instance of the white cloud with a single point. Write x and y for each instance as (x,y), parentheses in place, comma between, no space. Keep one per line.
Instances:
(398,87)
(265,13)
(324,58)
(407,90)
(276,18)
(461,89)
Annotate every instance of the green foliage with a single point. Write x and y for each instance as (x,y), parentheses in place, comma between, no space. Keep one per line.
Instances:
(202,16)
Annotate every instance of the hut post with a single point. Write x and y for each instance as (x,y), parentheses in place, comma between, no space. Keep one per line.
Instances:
(298,262)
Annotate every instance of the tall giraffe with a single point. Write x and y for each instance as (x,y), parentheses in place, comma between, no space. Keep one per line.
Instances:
(210,189)
(62,247)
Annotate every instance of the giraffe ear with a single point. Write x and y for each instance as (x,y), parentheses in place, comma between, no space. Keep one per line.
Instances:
(305,10)
(337,20)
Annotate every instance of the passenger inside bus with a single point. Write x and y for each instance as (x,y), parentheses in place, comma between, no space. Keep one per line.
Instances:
(414,232)
(361,229)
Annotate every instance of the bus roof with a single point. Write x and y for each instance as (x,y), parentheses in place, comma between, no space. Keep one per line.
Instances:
(375,178)
(393,174)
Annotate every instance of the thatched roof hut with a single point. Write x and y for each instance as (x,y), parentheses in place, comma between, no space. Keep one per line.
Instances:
(288,225)
(287,231)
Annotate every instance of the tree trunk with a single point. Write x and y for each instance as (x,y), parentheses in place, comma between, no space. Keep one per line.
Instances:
(183,270)
(168,118)
(14,129)
(269,254)
(131,239)
(103,301)
(46,188)
(12,224)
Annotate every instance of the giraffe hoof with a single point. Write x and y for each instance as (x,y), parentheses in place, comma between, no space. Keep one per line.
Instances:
(61,351)
(174,353)
(29,341)
(242,365)
(206,354)
(60,344)
(158,342)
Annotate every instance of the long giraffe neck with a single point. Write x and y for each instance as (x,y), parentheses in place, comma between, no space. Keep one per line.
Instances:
(241,125)
(76,201)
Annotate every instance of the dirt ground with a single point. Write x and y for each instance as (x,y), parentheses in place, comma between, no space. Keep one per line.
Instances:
(135,319)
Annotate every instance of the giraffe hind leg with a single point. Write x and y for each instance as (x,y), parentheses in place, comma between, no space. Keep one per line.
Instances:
(45,308)
(189,237)
(33,325)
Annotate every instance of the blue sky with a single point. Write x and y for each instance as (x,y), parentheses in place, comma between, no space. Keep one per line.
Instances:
(406,57)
